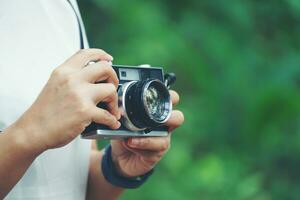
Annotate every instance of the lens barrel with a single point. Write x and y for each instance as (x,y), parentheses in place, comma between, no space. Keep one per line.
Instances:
(147,104)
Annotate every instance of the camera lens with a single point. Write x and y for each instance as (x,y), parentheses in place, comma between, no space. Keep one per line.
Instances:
(156,102)
(147,104)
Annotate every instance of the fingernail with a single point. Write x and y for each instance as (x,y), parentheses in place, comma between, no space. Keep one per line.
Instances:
(118,124)
(110,58)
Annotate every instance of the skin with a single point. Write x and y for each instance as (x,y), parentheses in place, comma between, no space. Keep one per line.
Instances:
(65,106)
(133,157)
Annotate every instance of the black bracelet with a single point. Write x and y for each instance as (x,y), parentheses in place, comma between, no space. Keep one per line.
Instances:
(111,174)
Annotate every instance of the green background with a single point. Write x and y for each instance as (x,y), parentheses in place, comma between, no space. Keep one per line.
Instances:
(237,64)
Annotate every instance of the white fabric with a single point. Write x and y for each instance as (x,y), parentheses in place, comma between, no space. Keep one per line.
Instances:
(35,37)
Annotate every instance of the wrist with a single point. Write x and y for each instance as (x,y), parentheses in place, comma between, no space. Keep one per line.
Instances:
(113,176)
(24,137)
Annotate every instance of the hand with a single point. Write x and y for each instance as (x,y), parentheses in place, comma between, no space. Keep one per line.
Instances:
(137,156)
(67,104)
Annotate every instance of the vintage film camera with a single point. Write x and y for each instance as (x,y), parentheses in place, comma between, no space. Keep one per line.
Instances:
(144,101)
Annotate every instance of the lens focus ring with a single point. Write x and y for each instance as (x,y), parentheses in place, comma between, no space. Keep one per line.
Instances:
(147,104)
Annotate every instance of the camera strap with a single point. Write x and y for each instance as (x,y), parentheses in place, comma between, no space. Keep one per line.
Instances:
(79,26)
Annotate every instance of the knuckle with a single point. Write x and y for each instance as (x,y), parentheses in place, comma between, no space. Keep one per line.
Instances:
(83,110)
(106,67)
(91,52)
(81,126)
(62,76)
(109,72)
(115,78)
(69,85)
(67,80)
(111,92)
(112,88)
(111,98)
(107,116)
(76,99)
(98,51)
(83,51)
(58,72)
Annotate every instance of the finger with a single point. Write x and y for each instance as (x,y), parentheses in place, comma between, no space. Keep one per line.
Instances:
(151,157)
(112,105)
(100,71)
(176,120)
(155,144)
(84,56)
(174,97)
(103,117)
(143,153)
(106,92)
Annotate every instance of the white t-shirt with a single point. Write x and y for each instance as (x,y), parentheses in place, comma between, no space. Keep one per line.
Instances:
(36,36)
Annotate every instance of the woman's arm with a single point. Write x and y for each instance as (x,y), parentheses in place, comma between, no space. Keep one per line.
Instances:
(98,187)
(66,105)
(16,154)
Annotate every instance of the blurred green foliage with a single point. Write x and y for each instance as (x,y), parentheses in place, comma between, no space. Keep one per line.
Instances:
(238,70)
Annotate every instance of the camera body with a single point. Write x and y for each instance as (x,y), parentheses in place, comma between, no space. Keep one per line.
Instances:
(144,102)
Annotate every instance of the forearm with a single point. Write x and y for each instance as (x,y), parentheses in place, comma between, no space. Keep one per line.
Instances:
(16,155)
(98,187)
